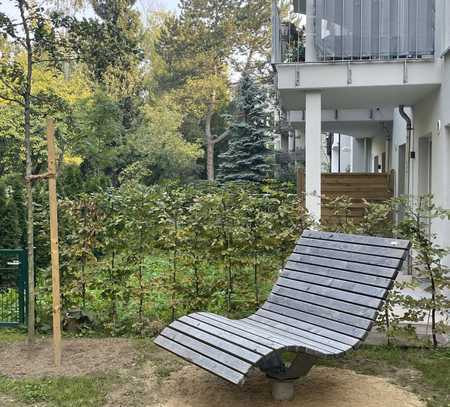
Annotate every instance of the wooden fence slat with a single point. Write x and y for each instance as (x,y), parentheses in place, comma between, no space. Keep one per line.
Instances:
(372,187)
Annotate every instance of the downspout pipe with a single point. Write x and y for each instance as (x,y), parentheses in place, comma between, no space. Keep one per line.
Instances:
(409,139)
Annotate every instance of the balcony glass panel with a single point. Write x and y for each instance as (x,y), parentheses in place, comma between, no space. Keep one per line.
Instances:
(374,29)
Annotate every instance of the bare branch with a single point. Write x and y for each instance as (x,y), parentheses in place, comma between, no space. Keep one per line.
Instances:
(9,86)
(8,99)
(218,139)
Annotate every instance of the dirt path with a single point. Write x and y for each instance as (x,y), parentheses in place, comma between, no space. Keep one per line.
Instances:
(6,401)
(80,357)
(192,387)
(151,377)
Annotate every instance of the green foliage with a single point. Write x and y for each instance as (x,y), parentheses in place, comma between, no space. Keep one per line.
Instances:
(162,151)
(247,154)
(139,256)
(418,215)
(12,214)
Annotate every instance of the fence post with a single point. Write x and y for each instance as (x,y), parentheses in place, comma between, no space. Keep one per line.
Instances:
(53,200)
(300,181)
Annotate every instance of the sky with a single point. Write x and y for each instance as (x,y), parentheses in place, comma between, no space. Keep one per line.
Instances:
(7,6)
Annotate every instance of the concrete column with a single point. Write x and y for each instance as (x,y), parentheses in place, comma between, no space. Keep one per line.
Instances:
(310,49)
(291,147)
(313,144)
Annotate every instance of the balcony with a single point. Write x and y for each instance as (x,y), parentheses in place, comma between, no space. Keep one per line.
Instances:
(357,30)
(287,40)
(373,29)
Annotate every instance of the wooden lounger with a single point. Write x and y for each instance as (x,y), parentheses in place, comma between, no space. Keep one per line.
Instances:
(323,305)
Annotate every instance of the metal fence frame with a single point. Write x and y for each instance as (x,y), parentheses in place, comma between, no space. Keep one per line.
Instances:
(22,285)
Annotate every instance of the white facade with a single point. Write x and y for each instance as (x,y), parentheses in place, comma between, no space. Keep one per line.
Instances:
(354,84)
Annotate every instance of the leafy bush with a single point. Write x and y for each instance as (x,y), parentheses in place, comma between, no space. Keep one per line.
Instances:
(137,257)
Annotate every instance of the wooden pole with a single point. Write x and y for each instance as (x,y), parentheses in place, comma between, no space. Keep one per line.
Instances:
(54,241)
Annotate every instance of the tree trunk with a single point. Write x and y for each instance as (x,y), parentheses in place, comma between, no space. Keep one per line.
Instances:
(210,160)
(28,172)
(211,140)
(209,144)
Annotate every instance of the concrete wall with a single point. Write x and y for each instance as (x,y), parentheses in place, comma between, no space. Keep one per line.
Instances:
(430,118)
(398,138)
(378,148)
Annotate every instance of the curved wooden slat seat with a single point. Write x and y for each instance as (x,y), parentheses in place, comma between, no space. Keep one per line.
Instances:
(323,305)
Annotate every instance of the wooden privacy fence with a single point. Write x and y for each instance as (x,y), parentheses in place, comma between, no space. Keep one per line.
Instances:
(356,186)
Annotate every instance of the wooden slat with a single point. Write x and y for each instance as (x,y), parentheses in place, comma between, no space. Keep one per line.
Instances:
(200,360)
(348,256)
(353,247)
(287,340)
(319,321)
(271,318)
(346,187)
(285,297)
(209,351)
(368,195)
(228,345)
(338,274)
(329,292)
(296,334)
(250,342)
(235,325)
(358,239)
(330,282)
(345,265)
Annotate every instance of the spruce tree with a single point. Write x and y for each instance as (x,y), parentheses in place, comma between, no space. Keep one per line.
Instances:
(247,153)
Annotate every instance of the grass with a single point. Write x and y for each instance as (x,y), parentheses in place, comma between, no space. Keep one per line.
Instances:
(425,372)
(11,335)
(59,392)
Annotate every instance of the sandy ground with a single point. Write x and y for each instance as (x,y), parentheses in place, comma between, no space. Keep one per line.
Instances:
(164,381)
(324,387)
(80,357)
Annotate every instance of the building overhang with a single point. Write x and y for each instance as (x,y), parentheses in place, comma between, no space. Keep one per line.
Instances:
(354,85)
(373,115)
(354,122)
